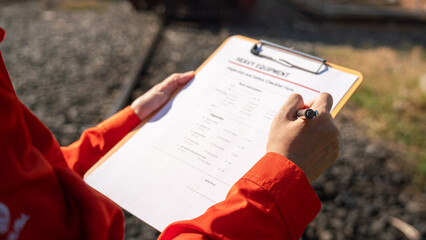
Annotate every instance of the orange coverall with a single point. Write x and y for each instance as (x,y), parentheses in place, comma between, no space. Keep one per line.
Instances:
(43,196)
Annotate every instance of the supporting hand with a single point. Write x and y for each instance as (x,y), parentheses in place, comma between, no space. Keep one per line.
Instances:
(159,94)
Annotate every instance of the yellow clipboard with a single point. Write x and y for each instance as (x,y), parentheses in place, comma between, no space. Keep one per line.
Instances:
(256,43)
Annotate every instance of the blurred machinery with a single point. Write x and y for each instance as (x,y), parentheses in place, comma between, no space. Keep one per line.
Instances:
(195,9)
(366,9)
(333,9)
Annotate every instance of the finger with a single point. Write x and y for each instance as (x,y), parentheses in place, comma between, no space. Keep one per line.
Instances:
(170,84)
(309,103)
(186,77)
(290,107)
(324,101)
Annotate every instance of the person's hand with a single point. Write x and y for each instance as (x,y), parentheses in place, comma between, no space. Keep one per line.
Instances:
(159,94)
(313,145)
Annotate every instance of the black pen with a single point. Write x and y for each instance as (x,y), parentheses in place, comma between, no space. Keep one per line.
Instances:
(307,113)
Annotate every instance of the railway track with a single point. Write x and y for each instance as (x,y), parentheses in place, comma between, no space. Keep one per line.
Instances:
(189,11)
(130,82)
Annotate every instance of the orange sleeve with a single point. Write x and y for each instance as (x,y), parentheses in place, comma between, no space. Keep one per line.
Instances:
(40,197)
(97,141)
(274,200)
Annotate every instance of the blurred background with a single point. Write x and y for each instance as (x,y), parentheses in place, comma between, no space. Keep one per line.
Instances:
(75,62)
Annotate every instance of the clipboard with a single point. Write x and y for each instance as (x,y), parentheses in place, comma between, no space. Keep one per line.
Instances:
(258,49)
(255,50)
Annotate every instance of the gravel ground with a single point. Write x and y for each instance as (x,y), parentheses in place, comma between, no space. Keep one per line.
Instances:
(364,189)
(67,66)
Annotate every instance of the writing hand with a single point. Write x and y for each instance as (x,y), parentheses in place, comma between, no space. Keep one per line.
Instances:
(313,145)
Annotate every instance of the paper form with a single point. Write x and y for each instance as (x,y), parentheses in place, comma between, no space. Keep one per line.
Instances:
(189,155)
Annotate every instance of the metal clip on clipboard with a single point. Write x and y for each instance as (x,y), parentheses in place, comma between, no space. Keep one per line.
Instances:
(289,57)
